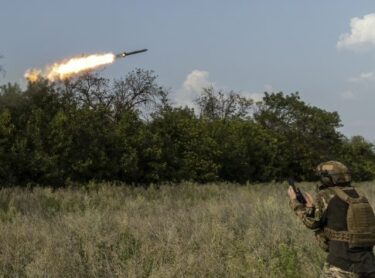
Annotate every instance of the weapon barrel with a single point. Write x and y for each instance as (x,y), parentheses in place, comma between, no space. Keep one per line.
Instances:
(296,190)
(293,185)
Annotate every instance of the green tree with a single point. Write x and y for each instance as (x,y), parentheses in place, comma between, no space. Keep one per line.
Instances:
(247,150)
(137,91)
(305,134)
(359,155)
(12,98)
(31,111)
(189,153)
(137,149)
(2,71)
(216,105)
(6,154)
(89,128)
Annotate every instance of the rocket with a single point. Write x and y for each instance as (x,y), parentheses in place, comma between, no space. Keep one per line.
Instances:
(124,54)
(76,65)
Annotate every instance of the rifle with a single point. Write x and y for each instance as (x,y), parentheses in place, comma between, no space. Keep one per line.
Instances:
(299,195)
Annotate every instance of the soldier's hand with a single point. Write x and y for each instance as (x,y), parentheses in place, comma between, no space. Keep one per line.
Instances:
(309,200)
(292,195)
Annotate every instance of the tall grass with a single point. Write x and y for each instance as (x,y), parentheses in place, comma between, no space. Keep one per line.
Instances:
(188,230)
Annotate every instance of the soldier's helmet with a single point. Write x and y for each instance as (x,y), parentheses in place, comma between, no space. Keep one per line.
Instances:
(333,173)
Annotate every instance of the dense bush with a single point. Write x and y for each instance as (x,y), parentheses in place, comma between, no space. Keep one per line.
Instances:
(92,129)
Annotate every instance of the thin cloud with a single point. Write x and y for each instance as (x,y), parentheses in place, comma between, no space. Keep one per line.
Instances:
(269,88)
(361,35)
(254,96)
(363,77)
(348,95)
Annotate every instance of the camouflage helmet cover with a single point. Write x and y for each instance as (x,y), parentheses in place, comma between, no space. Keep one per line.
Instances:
(333,173)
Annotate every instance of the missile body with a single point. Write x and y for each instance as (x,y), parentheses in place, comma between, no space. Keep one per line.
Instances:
(124,54)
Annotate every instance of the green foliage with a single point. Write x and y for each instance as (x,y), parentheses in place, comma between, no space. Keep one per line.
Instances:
(139,150)
(246,150)
(91,129)
(359,155)
(223,106)
(187,150)
(6,135)
(2,70)
(284,263)
(305,135)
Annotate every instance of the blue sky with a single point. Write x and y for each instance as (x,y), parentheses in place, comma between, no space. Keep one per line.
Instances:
(247,46)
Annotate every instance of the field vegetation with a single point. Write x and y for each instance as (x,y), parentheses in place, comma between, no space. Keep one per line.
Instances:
(188,230)
(58,137)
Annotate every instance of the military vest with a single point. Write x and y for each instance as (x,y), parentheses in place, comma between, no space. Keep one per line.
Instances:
(350,218)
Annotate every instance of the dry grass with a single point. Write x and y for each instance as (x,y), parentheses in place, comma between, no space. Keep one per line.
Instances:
(217,230)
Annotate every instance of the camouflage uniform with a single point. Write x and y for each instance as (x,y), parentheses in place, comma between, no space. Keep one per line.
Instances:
(330,271)
(342,261)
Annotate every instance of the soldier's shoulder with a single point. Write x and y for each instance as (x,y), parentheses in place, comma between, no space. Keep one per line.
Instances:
(324,191)
(325,195)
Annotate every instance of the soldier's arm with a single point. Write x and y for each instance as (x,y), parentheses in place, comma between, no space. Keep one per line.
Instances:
(312,217)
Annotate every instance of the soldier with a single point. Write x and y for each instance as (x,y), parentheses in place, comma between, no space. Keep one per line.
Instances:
(343,221)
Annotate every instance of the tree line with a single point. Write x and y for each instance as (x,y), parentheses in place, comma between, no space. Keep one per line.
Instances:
(127,130)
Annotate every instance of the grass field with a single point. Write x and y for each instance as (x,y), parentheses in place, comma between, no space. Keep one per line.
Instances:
(188,230)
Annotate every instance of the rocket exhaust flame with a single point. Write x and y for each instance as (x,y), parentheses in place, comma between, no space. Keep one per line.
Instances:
(32,75)
(78,65)
(71,67)
(75,66)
